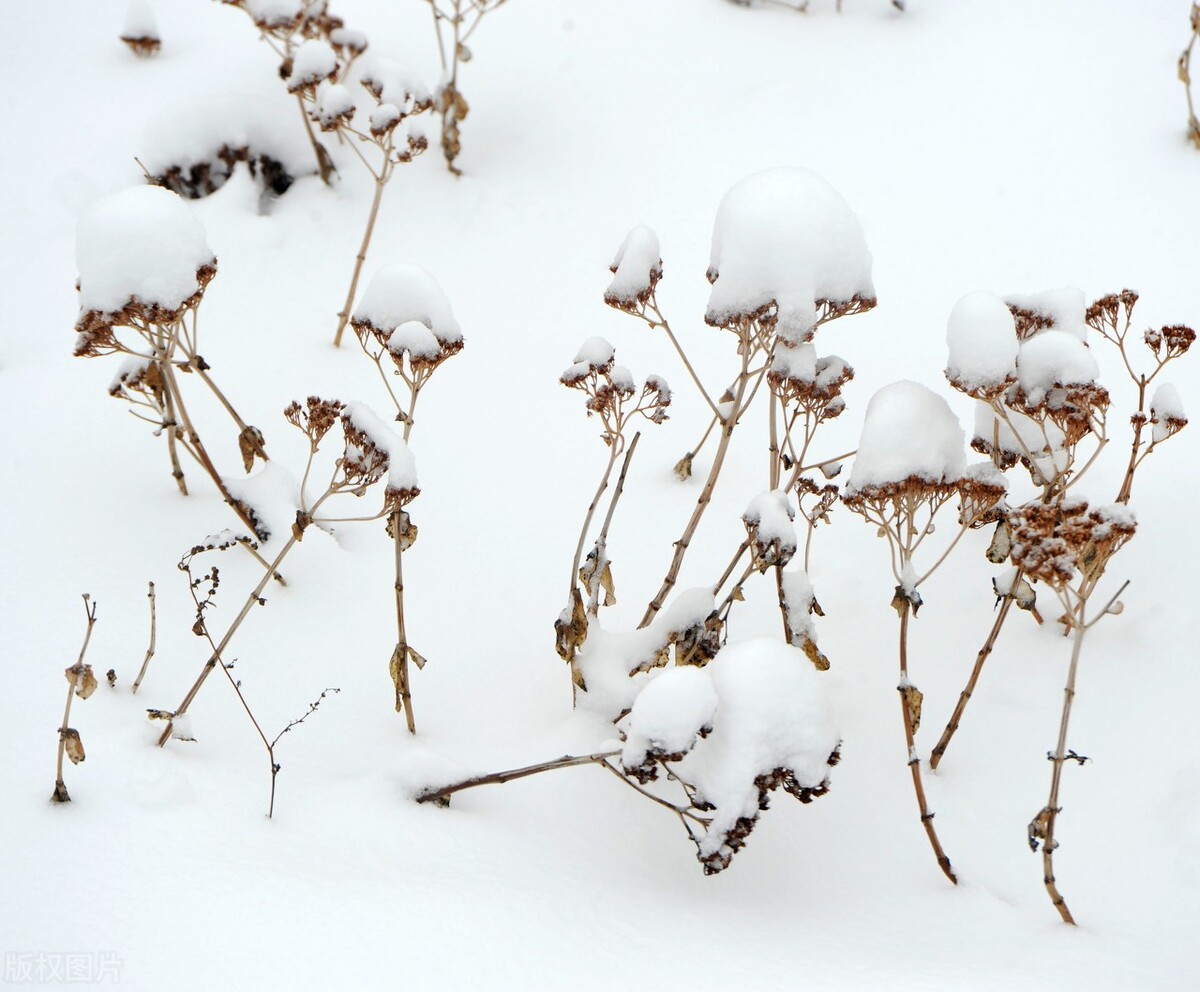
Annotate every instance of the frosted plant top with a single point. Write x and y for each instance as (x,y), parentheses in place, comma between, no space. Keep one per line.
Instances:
(141,245)
(909,433)
(403,292)
(785,236)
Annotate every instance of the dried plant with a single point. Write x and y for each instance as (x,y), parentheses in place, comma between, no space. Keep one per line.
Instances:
(203,591)
(915,440)
(82,683)
(140,32)
(405,326)
(1046,433)
(779,742)
(1185,76)
(454,21)
(1041,402)
(286,27)
(371,453)
(156,330)
(153,638)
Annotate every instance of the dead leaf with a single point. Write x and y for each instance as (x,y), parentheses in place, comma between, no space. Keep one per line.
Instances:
(416,658)
(250,443)
(913,698)
(73,745)
(86,683)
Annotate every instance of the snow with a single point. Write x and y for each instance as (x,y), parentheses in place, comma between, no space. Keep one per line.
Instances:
(982,338)
(1031,435)
(402,467)
(1166,411)
(669,714)
(194,131)
(636,267)
(273,13)
(909,432)
(349,38)
(140,22)
(393,83)
(799,598)
(595,353)
(333,103)
(403,292)
(314,61)
(415,338)
(771,714)
(1052,359)
(797,362)
(139,245)
(785,236)
(769,516)
(1064,308)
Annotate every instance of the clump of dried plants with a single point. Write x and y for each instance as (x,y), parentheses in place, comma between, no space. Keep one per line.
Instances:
(82,683)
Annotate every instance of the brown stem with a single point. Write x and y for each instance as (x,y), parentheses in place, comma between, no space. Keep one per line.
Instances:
(587,520)
(324,163)
(914,762)
(965,696)
(172,427)
(196,364)
(60,794)
(215,657)
(1138,423)
(681,546)
(344,315)
(403,692)
(197,448)
(153,634)
(442,796)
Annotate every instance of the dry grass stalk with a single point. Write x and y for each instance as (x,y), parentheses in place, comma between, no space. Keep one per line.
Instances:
(414,369)
(153,637)
(454,21)
(360,466)
(1185,77)
(903,512)
(1058,467)
(159,346)
(82,683)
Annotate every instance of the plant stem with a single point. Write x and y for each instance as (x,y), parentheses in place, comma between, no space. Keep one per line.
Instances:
(60,794)
(403,692)
(914,762)
(153,633)
(442,796)
(344,316)
(171,426)
(681,546)
(964,697)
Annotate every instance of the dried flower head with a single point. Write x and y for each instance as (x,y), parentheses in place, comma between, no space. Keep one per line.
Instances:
(315,419)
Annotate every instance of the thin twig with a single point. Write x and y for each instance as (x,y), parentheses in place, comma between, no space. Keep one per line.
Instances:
(153,634)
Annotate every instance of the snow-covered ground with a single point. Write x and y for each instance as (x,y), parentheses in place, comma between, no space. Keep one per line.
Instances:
(1007,147)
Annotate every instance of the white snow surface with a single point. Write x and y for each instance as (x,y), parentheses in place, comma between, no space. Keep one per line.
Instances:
(272,13)
(1054,358)
(334,101)
(799,596)
(415,338)
(785,236)
(982,339)
(637,261)
(143,244)
(797,362)
(669,714)
(403,292)
(395,83)
(909,432)
(190,131)
(595,352)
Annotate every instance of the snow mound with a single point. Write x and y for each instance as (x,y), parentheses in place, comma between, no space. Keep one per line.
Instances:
(768,520)
(1053,359)
(400,293)
(140,22)
(401,467)
(390,82)
(636,268)
(140,246)
(313,62)
(909,432)
(785,237)
(771,728)
(212,132)
(981,336)
(1167,412)
(1061,309)
(668,715)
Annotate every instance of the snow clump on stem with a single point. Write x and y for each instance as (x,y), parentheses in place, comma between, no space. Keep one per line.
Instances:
(785,238)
